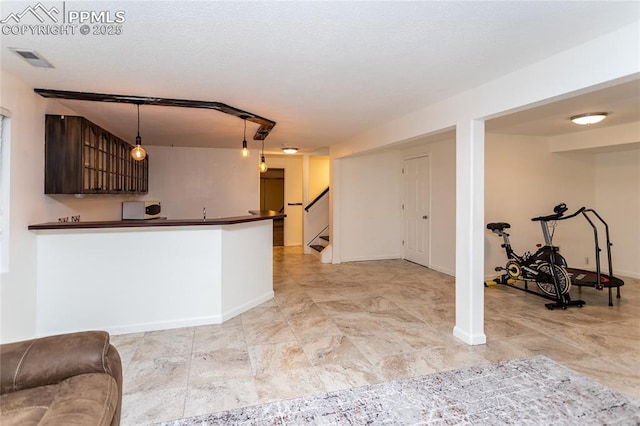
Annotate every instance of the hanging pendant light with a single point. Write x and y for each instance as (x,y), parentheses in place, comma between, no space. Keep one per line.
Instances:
(245,151)
(263,165)
(138,153)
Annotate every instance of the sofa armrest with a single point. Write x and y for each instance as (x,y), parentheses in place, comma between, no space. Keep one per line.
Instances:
(49,360)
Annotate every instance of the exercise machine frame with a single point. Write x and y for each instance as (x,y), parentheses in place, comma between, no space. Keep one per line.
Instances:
(597,280)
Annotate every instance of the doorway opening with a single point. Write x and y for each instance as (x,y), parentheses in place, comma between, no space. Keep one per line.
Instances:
(272,198)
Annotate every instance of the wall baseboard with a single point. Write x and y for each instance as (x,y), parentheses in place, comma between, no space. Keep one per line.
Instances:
(366,258)
(445,271)
(630,274)
(227,315)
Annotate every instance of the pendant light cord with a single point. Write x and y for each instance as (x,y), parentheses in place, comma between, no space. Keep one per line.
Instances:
(138,105)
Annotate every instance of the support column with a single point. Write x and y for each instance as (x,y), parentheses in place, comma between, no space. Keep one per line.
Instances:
(470,232)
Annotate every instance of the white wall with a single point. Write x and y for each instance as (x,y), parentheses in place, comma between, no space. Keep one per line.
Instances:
(370,213)
(443,201)
(18,286)
(523,180)
(318,175)
(617,200)
(185,180)
(293,193)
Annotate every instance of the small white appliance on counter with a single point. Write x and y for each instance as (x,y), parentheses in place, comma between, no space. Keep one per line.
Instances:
(140,210)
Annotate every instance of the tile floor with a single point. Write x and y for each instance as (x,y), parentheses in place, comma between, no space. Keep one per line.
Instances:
(332,327)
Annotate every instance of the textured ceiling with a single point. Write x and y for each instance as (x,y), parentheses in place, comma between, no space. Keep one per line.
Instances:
(324,71)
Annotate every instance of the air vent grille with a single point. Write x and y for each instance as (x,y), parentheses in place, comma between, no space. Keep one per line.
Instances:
(33,57)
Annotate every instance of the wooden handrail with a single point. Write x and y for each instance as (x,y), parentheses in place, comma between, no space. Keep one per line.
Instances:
(315,200)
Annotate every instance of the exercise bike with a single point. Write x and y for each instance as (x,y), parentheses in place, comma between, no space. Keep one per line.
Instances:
(546,267)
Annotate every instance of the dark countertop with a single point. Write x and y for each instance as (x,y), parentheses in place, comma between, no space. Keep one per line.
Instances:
(256,215)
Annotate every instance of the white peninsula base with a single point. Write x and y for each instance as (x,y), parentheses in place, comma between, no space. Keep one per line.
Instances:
(126,280)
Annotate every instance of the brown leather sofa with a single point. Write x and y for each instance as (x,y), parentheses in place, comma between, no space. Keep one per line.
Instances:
(70,379)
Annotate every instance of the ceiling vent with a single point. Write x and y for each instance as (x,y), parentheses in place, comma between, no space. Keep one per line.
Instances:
(33,57)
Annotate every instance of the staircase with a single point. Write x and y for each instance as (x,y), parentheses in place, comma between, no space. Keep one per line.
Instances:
(316,227)
(323,241)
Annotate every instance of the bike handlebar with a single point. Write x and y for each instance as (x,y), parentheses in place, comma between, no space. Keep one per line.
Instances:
(558,215)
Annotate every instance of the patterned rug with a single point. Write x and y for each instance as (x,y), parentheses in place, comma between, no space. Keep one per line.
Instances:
(528,391)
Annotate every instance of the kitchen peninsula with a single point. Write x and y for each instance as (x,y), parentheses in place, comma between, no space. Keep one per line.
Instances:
(140,275)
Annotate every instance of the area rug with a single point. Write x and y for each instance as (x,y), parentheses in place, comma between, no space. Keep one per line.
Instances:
(528,391)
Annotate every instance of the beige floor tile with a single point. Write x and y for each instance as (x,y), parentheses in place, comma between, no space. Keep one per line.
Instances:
(158,373)
(367,304)
(305,308)
(217,365)
(277,357)
(402,366)
(261,315)
(308,328)
(331,350)
(542,344)
(211,337)
(604,339)
(362,324)
(381,345)
(153,406)
(272,332)
(498,326)
(273,386)
(165,343)
(347,374)
(620,372)
(220,396)
(454,356)
(127,345)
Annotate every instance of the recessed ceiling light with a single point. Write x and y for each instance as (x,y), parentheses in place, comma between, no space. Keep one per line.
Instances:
(289,150)
(589,118)
(33,57)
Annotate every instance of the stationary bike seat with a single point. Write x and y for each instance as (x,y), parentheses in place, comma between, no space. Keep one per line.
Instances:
(498,226)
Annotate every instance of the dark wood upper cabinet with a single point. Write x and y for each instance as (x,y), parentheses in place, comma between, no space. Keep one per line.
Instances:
(83,158)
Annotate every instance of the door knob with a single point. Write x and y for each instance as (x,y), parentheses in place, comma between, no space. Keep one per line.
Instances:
(425,217)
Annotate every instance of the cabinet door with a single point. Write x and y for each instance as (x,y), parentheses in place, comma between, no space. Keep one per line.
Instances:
(122,156)
(63,155)
(112,164)
(89,157)
(103,161)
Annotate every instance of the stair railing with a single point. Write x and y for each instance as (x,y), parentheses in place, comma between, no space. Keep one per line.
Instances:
(316,218)
(318,198)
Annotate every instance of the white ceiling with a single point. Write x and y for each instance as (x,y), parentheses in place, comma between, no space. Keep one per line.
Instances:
(324,71)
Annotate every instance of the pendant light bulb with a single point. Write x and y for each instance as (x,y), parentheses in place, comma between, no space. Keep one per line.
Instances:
(263,166)
(138,153)
(245,150)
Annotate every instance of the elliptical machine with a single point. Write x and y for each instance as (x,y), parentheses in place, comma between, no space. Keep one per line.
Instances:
(546,267)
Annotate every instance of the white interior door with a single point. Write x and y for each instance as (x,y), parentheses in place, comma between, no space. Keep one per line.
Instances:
(416,210)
